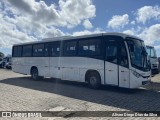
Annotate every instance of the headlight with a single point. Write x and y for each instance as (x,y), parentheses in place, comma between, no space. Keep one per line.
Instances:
(157,63)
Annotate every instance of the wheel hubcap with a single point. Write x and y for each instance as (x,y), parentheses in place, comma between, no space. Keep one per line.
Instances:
(35,75)
(93,80)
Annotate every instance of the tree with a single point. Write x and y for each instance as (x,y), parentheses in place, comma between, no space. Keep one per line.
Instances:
(1,54)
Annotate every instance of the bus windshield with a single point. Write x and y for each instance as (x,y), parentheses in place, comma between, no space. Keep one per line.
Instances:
(151,52)
(138,54)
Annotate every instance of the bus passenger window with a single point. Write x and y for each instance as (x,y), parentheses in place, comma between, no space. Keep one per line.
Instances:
(46,50)
(27,51)
(17,51)
(89,47)
(38,50)
(70,48)
(55,50)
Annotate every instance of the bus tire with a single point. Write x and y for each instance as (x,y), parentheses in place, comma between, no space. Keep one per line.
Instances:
(94,80)
(34,74)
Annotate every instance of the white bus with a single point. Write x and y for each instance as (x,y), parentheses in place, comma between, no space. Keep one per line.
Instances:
(153,59)
(100,59)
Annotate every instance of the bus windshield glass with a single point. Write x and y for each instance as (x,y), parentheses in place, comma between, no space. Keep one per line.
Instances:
(138,54)
(151,52)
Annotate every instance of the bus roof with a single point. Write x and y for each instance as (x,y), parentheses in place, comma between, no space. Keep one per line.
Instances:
(78,37)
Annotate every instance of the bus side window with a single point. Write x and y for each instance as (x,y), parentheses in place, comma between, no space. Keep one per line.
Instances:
(46,50)
(38,50)
(89,47)
(123,56)
(55,50)
(70,48)
(27,51)
(17,51)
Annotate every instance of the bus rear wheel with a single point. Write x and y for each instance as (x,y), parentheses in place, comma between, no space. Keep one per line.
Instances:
(34,74)
(94,80)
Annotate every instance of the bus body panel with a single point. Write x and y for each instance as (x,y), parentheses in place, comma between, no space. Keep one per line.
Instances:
(55,65)
(139,81)
(23,65)
(42,63)
(75,68)
(111,73)
(19,65)
(124,77)
(65,68)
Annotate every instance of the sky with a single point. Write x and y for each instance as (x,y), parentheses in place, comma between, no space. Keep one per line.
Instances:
(32,20)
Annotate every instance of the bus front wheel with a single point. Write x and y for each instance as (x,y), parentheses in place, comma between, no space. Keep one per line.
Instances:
(94,80)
